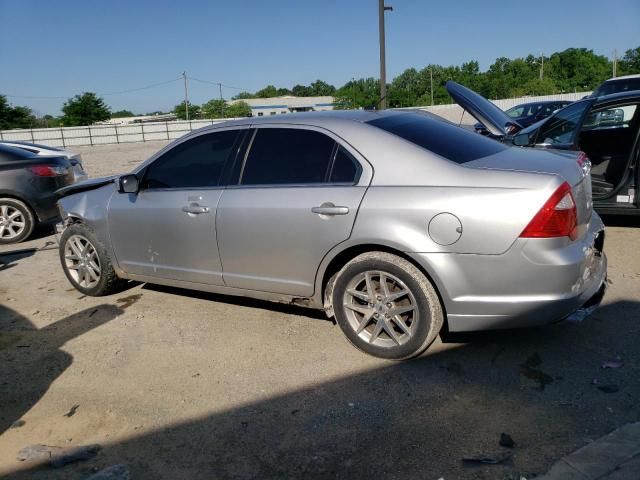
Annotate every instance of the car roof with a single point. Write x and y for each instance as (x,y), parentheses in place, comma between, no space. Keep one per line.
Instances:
(619,96)
(624,77)
(20,143)
(542,102)
(8,153)
(318,119)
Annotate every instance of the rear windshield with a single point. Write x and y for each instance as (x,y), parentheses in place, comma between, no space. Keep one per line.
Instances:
(11,154)
(442,138)
(615,86)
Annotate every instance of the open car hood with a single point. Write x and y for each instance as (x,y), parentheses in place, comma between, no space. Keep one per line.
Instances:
(85,185)
(494,119)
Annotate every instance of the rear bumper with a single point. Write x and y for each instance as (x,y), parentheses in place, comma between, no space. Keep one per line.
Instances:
(538,281)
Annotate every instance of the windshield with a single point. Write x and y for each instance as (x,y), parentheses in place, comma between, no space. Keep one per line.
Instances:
(563,127)
(524,110)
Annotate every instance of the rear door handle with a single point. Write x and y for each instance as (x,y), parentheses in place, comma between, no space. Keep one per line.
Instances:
(195,208)
(329,208)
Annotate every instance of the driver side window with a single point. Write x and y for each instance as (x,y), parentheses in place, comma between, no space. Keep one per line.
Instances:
(196,163)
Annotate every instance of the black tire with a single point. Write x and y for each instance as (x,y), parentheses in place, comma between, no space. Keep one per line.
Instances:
(25,215)
(108,282)
(422,323)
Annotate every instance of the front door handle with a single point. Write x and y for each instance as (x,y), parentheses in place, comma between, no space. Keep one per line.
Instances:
(329,208)
(195,208)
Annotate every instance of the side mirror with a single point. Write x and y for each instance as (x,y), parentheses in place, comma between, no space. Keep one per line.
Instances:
(521,140)
(128,184)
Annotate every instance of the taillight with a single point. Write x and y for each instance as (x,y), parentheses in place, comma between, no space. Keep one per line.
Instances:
(558,217)
(584,162)
(48,170)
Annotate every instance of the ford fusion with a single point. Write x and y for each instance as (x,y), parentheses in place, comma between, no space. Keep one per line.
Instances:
(395,223)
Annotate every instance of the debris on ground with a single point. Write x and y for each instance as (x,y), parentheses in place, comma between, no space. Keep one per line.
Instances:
(489,459)
(114,472)
(72,411)
(506,440)
(57,456)
(611,388)
(617,363)
(17,424)
(580,314)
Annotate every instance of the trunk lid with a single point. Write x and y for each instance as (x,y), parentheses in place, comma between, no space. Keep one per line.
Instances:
(495,120)
(564,164)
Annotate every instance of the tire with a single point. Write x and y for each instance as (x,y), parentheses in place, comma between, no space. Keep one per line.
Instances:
(16,221)
(86,264)
(401,320)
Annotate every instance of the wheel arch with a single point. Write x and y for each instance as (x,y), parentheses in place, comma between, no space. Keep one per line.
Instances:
(331,266)
(16,196)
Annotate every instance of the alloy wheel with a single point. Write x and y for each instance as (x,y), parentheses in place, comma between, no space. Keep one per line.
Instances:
(12,222)
(380,308)
(82,261)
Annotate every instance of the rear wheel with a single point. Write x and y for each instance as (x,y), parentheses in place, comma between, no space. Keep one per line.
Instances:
(86,264)
(16,221)
(386,306)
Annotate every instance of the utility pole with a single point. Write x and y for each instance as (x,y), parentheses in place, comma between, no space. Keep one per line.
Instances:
(431,78)
(221,100)
(186,94)
(353,92)
(541,65)
(615,63)
(383,68)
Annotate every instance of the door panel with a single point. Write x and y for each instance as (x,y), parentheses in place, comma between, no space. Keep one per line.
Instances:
(153,235)
(271,240)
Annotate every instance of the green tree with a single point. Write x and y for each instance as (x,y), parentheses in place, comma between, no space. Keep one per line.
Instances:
(181,111)
(321,89)
(630,63)
(214,108)
(243,95)
(14,117)
(267,92)
(237,110)
(122,114)
(85,109)
(301,91)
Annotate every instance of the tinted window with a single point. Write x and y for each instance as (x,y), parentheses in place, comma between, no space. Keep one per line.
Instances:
(195,163)
(563,126)
(286,156)
(442,138)
(615,86)
(344,169)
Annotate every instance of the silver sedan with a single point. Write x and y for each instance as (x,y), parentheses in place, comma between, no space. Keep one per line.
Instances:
(395,223)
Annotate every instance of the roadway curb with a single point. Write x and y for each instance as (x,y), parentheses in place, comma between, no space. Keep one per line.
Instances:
(615,456)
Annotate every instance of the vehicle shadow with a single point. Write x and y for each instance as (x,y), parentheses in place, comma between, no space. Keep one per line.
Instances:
(9,259)
(414,419)
(31,359)
(241,301)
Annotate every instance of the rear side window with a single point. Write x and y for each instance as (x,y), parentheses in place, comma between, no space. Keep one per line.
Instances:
(345,168)
(198,162)
(281,156)
(442,138)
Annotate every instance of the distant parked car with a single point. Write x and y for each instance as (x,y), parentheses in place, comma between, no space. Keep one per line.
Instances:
(617,84)
(74,158)
(28,183)
(604,130)
(393,222)
(528,113)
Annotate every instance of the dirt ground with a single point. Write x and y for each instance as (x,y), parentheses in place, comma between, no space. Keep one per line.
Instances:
(180,384)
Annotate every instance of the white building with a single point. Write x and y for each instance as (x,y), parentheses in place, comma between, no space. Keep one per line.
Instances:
(287,104)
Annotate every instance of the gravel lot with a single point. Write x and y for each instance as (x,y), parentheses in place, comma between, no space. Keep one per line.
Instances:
(181,384)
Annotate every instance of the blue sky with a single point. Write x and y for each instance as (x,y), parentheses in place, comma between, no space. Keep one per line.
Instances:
(63,47)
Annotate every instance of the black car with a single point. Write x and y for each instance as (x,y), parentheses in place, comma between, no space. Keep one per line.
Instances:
(528,113)
(603,131)
(27,190)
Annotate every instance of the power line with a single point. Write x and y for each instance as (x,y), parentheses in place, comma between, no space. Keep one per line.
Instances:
(56,97)
(218,83)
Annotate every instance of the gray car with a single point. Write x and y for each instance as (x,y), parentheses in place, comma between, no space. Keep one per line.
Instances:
(395,223)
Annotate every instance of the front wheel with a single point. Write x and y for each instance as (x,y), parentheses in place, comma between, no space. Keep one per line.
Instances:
(386,306)
(86,264)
